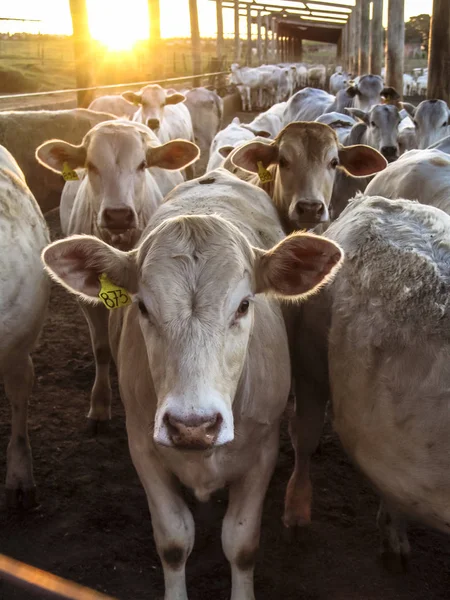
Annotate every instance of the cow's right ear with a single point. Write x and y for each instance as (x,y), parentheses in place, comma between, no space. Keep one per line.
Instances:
(55,153)
(352,91)
(78,262)
(133,97)
(410,109)
(357,113)
(249,155)
(225,151)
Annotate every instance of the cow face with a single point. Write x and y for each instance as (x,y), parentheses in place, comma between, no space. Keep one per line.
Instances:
(197,288)
(431,120)
(152,100)
(303,160)
(382,129)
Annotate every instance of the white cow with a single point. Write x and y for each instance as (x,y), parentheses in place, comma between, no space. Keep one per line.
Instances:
(317,77)
(342,124)
(422,85)
(114,105)
(202,355)
(225,141)
(307,105)
(163,112)
(247,80)
(338,81)
(114,201)
(431,120)
(409,85)
(24,297)
(268,123)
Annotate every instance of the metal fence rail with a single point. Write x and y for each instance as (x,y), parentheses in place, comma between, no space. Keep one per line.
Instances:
(38,582)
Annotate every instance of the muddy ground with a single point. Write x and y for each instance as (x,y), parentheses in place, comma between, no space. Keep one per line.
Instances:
(93,525)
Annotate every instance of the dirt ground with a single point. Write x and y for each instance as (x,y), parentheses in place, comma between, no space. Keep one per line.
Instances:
(93,525)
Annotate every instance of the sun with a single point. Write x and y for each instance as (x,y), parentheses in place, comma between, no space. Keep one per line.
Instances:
(118,25)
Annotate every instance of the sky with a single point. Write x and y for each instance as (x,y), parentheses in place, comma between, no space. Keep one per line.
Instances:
(55,16)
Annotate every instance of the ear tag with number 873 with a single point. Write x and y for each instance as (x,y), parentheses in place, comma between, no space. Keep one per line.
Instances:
(68,173)
(264,175)
(112,295)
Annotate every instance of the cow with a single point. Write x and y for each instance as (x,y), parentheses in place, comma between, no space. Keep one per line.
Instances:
(206,109)
(338,81)
(299,167)
(24,298)
(268,123)
(341,123)
(378,129)
(317,77)
(21,132)
(382,337)
(247,80)
(114,105)
(114,201)
(367,92)
(431,120)
(422,175)
(202,354)
(307,105)
(443,145)
(163,112)
(225,141)
(409,85)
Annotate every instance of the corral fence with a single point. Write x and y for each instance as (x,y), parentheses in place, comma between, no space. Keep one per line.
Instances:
(58,99)
(42,583)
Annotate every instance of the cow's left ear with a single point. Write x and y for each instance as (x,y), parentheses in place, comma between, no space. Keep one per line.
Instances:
(173,155)
(175,99)
(357,113)
(78,262)
(297,266)
(361,160)
(249,155)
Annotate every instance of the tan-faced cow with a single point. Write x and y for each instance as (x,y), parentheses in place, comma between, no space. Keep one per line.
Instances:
(202,355)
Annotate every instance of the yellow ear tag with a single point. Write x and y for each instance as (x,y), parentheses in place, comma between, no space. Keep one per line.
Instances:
(112,296)
(136,102)
(264,175)
(68,173)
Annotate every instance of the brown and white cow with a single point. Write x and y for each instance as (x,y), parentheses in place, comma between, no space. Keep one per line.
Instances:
(302,162)
(126,180)
(202,354)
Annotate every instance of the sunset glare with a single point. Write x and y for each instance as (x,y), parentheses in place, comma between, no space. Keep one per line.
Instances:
(117,27)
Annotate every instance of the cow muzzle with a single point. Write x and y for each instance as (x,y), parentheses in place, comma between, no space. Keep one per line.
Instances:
(390,153)
(308,213)
(153,124)
(193,432)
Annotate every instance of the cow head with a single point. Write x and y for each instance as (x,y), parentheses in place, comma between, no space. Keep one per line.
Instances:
(431,120)
(152,100)
(303,160)
(116,156)
(382,123)
(197,287)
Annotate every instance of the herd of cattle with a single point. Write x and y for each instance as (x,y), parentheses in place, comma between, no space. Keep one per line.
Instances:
(307,251)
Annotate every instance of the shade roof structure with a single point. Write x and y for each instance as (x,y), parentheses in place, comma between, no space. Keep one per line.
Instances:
(309,19)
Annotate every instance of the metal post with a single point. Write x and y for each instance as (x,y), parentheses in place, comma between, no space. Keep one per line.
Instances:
(376,41)
(82,46)
(395,44)
(439,52)
(364,40)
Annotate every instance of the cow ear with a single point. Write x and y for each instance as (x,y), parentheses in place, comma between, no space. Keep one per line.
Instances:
(173,155)
(249,155)
(357,113)
(78,262)
(225,151)
(236,121)
(352,91)
(133,97)
(360,160)
(297,266)
(55,153)
(175,99)
(410,109)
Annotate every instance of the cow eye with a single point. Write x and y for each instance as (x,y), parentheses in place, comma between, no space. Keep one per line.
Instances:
(142,309)
(92,168)
(373,124)
(243,309)
(334,163)
(284,164)
(142,166)
(416,124)
(444,124)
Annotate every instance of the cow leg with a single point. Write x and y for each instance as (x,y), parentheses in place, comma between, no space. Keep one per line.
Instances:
(18,378)
(100,408)
(173,525)
(395,549)
(242,522)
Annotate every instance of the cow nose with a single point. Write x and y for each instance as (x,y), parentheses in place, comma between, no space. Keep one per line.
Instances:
(195,432)
(389,152)
(118,218)
(153,124)
(310,212)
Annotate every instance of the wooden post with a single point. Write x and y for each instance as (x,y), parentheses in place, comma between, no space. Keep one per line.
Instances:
(249,36)
(237,40)
(219,17)
(339,49)
(82,48)
(357,40)
(195,41)
(259,43)
(154,14)
(299,50)
(439,53)
(266,38)
(395,44)
(364,40)
(273,45)
(376,40)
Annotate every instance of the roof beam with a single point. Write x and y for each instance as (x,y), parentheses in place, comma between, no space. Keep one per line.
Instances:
(261,5)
